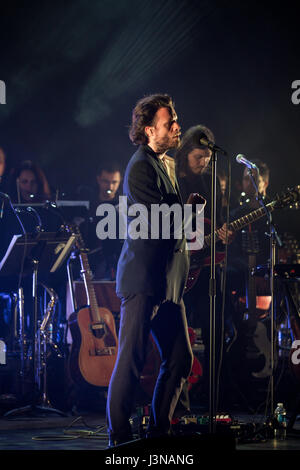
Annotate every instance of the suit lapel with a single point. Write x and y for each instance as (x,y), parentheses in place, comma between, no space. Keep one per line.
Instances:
(161,166)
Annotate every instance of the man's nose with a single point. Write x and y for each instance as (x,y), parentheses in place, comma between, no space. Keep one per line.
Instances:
(176,126)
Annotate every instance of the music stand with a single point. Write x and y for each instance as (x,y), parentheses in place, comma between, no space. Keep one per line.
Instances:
(42,251)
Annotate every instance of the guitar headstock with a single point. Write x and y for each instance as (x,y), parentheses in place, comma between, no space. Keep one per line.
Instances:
(194,199)
(290,198)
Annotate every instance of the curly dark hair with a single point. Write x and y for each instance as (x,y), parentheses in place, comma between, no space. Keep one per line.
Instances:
(189,142)
(143,115)
(263,168)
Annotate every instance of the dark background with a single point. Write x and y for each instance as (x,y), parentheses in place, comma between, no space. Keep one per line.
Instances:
(74,70)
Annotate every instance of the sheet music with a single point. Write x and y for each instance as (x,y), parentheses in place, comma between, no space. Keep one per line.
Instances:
(10,247)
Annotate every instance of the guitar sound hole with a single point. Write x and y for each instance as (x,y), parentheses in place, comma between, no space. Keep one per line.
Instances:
(98,330)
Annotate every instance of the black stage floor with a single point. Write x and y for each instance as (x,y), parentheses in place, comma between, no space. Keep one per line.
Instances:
(86,431)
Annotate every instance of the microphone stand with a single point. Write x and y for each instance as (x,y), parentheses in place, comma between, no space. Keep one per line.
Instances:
(212,284)
(274,239)
(212,294)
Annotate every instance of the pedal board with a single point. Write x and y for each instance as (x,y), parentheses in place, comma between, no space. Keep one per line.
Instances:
(191,424)
(224,424)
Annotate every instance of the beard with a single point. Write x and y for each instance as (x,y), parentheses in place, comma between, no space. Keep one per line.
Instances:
(167,143)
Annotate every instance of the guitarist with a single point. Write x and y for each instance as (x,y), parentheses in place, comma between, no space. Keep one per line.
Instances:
(151,277)
(237,258)
(194,176)
(248,354)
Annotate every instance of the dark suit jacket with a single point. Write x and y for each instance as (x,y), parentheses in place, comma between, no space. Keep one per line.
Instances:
(157,267)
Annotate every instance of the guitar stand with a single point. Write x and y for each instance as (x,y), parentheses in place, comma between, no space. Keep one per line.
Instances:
(274,239)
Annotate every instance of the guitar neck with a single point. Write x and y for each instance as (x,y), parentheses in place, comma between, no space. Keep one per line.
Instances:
(238,224)
(90,291)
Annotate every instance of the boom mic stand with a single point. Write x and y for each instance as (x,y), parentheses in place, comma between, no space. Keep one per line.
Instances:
(212,294)
(212,289)
(274,239)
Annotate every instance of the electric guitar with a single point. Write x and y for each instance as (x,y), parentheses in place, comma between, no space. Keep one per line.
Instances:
(201,258)
(95,344)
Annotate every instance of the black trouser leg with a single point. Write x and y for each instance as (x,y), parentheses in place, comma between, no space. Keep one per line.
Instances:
(170,332)
(136,311)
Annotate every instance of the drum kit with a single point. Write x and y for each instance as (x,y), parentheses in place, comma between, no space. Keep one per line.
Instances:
(33,330)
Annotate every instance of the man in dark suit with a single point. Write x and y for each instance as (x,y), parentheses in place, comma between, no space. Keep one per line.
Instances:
(151,277)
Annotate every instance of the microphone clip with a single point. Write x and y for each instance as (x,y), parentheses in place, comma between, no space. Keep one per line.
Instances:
(213,147)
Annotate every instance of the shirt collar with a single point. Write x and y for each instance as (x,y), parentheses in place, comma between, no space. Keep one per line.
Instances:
(152,153)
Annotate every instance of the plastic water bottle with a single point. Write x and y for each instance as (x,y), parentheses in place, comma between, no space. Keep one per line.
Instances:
(280,422)
(2,352)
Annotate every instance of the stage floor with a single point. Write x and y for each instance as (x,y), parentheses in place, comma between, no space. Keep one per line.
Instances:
(35,431)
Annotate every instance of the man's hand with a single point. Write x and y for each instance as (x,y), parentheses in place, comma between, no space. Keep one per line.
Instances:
(226,236)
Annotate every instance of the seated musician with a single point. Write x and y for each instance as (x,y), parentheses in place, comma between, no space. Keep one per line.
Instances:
(103,254)
(28,183)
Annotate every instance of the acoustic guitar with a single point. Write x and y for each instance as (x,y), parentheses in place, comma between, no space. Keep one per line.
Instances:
(201,258)
(95,344)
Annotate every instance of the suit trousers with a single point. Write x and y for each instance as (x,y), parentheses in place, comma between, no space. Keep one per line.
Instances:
(140,315)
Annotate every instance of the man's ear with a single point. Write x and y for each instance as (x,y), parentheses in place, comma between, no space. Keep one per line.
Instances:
(149,131)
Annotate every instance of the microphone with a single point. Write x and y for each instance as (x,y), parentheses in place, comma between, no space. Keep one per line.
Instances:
(207,143)
(242,159)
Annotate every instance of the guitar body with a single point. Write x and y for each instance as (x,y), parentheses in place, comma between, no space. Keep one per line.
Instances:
(152,366)
(94,348)
(194,272)
(261,339)
(95,343)
(201,258)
